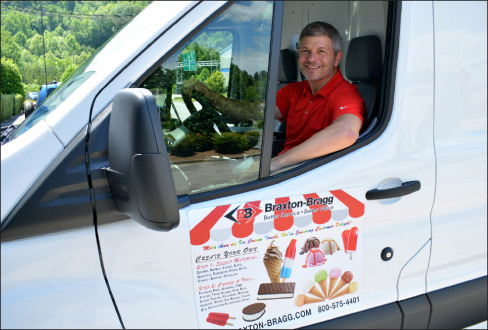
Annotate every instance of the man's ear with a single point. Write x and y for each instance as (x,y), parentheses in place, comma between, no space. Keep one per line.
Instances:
(338,58)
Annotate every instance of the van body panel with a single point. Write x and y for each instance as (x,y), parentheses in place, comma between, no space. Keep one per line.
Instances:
(459,224)
(55,281)
(23,161)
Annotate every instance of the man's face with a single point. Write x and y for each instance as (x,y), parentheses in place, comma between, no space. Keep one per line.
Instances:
(317,61)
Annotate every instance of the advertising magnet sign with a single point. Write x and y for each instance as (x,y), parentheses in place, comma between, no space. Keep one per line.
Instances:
(275,263)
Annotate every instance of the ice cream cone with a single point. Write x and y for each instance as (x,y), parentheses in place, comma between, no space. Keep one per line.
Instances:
(311,300)
(351,288)
(339,286)
(316,292)
(323,286)
(333,281)
(273,266)
(302,299)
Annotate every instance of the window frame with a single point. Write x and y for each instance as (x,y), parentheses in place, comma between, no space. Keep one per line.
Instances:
(264,179)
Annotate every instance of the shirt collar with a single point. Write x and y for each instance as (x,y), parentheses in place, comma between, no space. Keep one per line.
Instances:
(327,88)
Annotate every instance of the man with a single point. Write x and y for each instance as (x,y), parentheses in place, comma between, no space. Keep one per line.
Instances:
(324,113)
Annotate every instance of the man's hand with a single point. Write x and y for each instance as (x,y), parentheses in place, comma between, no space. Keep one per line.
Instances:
(342,133)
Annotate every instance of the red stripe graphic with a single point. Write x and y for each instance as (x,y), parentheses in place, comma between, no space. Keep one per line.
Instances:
(283,223)
(356,208)
(200,234)
(319,217)
(244,229)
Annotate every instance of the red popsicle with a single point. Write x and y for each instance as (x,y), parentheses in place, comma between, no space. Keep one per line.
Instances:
(219,318)
(353,239)
(345,239)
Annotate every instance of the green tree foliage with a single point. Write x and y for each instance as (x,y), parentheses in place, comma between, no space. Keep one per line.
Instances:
(11,80)
(73,30)
(216,81)
(69,70)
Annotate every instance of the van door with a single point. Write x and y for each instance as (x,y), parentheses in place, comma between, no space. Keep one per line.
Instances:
(328,238)
(459,214)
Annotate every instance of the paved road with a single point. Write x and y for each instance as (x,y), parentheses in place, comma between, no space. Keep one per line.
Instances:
(14,120)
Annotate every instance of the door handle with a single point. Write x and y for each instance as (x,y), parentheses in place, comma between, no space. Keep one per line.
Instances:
(405,189)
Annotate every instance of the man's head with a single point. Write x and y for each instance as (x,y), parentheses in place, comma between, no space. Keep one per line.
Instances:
(322,29)
(319,53)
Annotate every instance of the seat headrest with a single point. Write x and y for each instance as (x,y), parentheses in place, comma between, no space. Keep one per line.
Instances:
(287,70)
(363,61)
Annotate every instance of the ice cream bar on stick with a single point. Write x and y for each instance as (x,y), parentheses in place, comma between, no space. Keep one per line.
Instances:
(345,239)
(219,318)
(353,241)
(289,259)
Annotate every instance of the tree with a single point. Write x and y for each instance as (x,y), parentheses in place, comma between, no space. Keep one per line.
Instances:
(72,44)
(69,70)
(11,79)
(10,49)
(216,81)
(20,39)
(204,74)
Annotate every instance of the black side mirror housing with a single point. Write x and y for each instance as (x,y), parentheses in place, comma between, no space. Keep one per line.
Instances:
(139,172)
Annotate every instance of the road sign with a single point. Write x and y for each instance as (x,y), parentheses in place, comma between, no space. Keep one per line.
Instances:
(190,61)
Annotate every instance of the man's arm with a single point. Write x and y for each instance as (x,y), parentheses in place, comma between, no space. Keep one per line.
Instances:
(342,133)
(278,114)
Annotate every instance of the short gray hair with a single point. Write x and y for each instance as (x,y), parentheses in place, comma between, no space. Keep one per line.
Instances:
(322,29)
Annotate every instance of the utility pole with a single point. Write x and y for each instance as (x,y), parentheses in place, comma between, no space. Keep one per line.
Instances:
(43,45)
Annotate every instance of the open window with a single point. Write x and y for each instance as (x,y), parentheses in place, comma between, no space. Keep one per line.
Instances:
(211,98)
(212,91)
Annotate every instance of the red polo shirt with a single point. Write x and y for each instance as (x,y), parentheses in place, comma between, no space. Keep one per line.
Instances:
(306,114)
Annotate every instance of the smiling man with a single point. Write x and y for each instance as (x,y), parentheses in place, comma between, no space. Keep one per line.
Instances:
(324,113)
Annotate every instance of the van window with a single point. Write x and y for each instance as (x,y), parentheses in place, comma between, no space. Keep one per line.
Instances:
(211,98)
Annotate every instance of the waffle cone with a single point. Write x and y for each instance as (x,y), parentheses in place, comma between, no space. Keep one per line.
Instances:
(341,293)
(273,266)
(333,281)
(323,286)
(316,292)
(339,286)
(311,300)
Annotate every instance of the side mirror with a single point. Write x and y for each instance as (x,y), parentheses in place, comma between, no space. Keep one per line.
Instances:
(139,172)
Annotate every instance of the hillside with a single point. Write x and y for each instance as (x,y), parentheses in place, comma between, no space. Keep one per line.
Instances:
(73,31)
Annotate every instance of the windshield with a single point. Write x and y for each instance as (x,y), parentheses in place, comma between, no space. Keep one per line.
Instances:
(54,99)
(66,88)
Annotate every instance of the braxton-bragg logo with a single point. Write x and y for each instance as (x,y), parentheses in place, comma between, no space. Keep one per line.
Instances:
(244,215)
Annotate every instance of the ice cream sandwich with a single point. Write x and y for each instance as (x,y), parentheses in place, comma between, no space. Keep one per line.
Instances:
(253,312)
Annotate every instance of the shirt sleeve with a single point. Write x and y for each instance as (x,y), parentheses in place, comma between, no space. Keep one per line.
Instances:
(349,101)
(282,102)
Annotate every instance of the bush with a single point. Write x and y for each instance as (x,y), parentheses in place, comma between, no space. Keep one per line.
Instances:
(7,106)
(199,142)
(11,80)
(19,100)
(182,149)
(253,138)
(230,143)
(203,122)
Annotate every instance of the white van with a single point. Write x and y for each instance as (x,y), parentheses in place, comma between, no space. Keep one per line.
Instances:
(129,200)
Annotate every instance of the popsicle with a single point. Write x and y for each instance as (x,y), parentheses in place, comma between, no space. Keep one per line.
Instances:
(219,318)
(353,240)
(345,239)
(289,259)
(350,240)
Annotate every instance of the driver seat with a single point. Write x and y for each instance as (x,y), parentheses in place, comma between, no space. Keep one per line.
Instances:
(363,69)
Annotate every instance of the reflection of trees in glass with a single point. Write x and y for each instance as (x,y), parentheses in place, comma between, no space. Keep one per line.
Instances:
(163,79)
(243,86)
